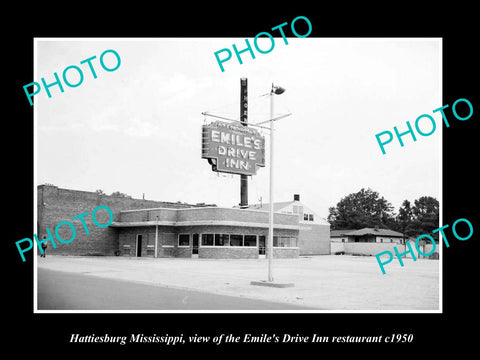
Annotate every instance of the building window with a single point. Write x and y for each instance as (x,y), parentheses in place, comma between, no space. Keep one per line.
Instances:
(226,240)
(307,217)
(207,239)
(184,240)
(222,239)
(250,240)
(284,241)
(236,240)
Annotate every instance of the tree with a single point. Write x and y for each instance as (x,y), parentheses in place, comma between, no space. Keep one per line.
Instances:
(362,209)
(421,218)
(404,219)
(100,192)
(120,194)
(425,216)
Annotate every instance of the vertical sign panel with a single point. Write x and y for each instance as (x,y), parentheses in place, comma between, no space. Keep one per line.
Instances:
(244,121)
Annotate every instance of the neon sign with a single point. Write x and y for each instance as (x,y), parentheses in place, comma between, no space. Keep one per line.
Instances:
(231,148)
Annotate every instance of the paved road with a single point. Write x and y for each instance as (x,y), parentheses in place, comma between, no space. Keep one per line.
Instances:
(69,291)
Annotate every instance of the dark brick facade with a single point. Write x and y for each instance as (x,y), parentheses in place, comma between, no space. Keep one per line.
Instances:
(55,205)
(168,244)
(146,228)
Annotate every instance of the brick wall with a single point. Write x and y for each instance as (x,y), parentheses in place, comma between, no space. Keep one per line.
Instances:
(149,215)
(314,239)
(228,252)
(179,252)
(235,215)
(55,205)
(207,214)
(284,253)
(128,241)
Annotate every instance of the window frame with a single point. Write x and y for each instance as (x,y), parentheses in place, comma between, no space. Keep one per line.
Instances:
(256,240)
(178,240)
(230,244)
(276,237)
(201,244)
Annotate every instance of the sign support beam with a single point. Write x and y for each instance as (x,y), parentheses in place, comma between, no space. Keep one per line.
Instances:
(244,120)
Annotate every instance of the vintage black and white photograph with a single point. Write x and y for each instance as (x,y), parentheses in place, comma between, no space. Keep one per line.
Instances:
(270,174)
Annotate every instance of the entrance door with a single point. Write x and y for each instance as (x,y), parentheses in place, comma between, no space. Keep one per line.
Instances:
(261,245)
(139,245)
(195,244)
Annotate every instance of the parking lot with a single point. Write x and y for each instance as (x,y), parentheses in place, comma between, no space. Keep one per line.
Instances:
(327,283)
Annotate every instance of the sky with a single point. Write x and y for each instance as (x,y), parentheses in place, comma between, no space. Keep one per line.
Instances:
(137,129)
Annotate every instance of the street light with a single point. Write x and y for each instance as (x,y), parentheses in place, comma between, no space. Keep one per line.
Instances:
(156,237)
(276,90)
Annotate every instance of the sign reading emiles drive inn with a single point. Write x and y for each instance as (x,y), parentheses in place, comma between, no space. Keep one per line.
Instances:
(231,148)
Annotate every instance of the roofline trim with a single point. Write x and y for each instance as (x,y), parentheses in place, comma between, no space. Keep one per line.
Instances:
(208,207)
(202,223)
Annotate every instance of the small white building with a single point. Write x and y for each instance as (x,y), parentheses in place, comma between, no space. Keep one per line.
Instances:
(366,241)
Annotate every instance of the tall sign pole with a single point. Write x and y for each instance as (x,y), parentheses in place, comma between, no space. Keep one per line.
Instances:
(244,122)
(270,210)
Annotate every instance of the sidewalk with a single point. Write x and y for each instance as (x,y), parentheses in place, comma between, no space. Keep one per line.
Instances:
(326,282)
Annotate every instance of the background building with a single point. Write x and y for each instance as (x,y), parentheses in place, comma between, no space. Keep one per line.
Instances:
(371,241)
(313,230)
(366,241)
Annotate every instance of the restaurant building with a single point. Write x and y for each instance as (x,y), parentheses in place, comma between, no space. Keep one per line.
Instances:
(145,228)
